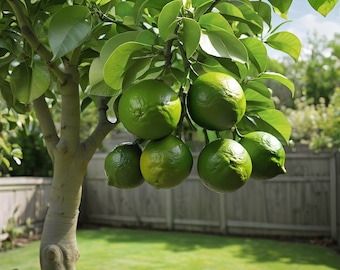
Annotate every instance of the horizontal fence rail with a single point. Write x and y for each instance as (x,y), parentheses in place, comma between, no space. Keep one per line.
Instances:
(303,202)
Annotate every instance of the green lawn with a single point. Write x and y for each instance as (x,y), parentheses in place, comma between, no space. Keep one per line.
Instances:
(112,248)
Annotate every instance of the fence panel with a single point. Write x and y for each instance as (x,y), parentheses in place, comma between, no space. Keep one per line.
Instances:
(29,195)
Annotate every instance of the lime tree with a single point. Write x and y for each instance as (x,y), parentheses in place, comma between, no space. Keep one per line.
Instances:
(78,55)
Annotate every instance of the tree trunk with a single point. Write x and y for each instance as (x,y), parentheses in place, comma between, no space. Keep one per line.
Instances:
(70,156)
(59,250)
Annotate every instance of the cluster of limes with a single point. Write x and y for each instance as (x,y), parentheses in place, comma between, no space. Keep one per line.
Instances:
(151,110)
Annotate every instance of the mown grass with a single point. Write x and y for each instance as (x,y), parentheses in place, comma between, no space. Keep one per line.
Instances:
(124,249)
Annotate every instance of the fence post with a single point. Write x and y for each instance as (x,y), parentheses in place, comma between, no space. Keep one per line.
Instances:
(337,190)
(169,210)
(333,192)
(223,222)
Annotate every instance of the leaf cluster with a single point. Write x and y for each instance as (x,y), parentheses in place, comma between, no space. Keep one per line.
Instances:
(179,41)
(114,44)
(23,152)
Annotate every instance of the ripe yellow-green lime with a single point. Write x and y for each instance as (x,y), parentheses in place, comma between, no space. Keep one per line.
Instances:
(266,152)
(149,109)
(216,101)
(224,165)
(165,163)
(121,166)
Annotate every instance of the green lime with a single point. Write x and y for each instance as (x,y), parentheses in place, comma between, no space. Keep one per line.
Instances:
(165,163)
(266,152)
(122,166)
(224,165)
(216,101)
(149,109)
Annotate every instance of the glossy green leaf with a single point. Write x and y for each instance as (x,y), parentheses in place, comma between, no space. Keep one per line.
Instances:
(139,68)
(68,29)
(201,7)
(278,121)
(223,44)
(115,42)
(286,42)
(138,9)
(20,81)
(257,53)
(29,83)
(239,11)
(146,37)
(278,78)
(168,18)
(271,120)
(191,36)
(141,5)
(323,6)
(98,87)
(85,103)
(264,11)
(40,79)
(211,64)
(257,102)
(215,22)
(231,10)
(258,97)
(120,60)
(281,7)
(4,45)
(124,9)
(259,87)
(6,93)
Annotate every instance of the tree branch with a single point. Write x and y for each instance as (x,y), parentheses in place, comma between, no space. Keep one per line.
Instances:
(75,56)
(70,105)
(30,37)
(46,123)
(104,126)
(212,6)
(70,112)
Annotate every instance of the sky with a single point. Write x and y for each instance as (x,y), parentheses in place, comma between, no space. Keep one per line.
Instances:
(305,20)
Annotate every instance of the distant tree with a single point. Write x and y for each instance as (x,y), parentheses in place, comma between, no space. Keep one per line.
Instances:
(317,74)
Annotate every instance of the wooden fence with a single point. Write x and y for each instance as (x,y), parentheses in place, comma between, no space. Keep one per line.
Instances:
(29,195)
(304,202)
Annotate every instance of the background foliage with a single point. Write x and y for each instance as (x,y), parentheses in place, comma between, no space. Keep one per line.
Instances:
(314,111)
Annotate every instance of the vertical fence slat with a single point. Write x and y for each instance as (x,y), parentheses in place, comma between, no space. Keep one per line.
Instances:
(333,204)
(169,211)
(223,218)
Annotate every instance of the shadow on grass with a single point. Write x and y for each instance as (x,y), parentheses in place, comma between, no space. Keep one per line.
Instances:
(246,249)
(262,250)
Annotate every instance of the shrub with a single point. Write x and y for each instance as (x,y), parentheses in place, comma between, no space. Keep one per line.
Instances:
(316,125)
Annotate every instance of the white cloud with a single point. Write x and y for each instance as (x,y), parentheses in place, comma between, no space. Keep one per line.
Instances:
(304,26)
(308,24)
